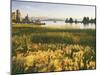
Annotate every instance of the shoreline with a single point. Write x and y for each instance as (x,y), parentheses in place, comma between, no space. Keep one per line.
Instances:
(48,26)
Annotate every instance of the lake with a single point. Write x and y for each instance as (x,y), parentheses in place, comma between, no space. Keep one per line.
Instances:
(63,25)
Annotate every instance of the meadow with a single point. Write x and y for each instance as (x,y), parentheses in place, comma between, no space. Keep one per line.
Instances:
(37,49)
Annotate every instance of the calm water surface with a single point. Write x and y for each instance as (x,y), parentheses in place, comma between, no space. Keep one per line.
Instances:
(63,25)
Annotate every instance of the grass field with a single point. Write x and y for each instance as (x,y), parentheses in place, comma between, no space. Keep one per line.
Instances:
(36,49)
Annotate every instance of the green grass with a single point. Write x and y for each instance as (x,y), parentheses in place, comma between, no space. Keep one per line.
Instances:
(68,36)
(52,39)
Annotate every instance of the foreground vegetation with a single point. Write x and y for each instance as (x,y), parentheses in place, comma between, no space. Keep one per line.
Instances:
(47,50)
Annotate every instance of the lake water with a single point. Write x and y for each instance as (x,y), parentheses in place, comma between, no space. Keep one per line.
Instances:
(63,25)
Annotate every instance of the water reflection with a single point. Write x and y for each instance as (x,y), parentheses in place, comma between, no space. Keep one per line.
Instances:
(63,25)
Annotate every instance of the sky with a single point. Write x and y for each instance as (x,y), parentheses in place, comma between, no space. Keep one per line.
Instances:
(53,10)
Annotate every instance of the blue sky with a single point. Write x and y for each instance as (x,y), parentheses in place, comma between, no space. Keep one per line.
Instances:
(36,9)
